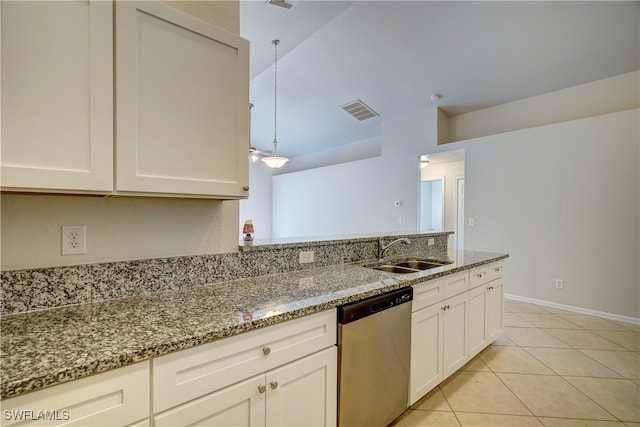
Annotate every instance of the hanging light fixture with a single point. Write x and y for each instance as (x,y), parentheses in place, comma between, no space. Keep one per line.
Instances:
(274,161)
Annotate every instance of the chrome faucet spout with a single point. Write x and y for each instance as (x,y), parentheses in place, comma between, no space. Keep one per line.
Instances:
(382,247)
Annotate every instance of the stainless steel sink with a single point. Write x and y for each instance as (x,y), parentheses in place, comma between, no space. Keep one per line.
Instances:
(419,265)
(406,267)
(393,269)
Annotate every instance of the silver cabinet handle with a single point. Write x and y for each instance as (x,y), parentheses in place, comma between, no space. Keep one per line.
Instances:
(274,385)
(262,388)
(266,351)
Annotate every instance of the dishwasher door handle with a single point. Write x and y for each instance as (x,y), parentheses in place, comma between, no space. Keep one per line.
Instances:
(383,305)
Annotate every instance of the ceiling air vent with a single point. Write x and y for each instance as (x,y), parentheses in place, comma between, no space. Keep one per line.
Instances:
(359,110)
(281,3)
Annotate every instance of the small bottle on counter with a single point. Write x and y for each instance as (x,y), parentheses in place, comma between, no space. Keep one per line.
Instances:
(247,231)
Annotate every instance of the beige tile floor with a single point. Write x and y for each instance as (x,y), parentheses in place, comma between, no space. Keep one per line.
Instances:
(551,368)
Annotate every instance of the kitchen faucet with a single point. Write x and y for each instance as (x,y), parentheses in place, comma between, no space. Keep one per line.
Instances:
(382,247)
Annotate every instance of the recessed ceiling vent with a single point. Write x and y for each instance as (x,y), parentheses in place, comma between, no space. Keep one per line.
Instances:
(282,3)
(359,110)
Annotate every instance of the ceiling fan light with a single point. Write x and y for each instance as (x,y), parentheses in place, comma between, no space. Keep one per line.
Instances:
(275,162)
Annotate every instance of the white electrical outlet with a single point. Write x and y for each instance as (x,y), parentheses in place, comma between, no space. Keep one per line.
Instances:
(559,283)
(431,242)
(305,257)
(472,222)
(74,239)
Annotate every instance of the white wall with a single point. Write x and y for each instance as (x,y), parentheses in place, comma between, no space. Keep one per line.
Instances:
(258,207)
(358,197)
(563,201)
(120,228)
(329,201)
(618,93)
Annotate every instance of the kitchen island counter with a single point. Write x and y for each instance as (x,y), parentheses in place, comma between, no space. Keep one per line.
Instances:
(44,348)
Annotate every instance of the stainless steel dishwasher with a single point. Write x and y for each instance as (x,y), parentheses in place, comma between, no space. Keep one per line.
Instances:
(374,348)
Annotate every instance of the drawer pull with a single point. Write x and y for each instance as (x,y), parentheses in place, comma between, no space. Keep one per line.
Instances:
(497,269)
(262,388)
(266,351)
(446,307)
(490,288)
(274,385)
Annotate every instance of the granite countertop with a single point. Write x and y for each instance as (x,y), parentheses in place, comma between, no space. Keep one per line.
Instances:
(44,348)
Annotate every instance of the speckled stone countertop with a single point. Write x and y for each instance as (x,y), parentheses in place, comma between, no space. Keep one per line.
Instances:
(44,348)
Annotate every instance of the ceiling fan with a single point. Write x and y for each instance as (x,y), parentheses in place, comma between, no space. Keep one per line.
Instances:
(256,154)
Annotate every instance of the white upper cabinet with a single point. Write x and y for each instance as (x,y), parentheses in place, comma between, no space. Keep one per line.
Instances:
(57,96)
(182,91)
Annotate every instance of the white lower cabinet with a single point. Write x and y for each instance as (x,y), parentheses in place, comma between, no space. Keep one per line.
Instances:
(282,375)
(455,333)
(438,343)
(297,394)
(304,393)
(446,333)
(486,304)
(238,405)
(115,398)
(426,351)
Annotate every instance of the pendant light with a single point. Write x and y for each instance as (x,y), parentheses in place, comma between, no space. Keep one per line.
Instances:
(275,161)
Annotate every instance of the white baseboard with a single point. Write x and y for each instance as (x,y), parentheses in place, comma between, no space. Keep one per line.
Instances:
(603,314)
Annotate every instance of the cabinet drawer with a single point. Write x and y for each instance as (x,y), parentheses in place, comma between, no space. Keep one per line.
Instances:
(456,284)
(191,373)
(427,293)
(485,273)
(115,398)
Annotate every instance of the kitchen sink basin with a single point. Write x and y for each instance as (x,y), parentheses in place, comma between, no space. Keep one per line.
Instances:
(418,265)
(393,269)
(406,267)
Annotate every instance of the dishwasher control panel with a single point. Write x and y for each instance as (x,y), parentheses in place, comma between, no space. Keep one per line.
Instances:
(372,305)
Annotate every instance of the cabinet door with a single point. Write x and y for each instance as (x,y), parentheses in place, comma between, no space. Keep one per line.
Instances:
(455,327)
(477,320)
(304,393)
(241,404)
(495,307)
(115,398)
(426,351)
(57,96)
(182,104)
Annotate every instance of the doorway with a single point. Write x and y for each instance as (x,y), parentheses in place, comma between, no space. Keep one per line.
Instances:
(432,205)
(441,186)
(459,221)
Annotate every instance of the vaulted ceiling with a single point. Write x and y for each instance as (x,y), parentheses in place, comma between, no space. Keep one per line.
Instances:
(394,55)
